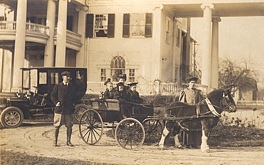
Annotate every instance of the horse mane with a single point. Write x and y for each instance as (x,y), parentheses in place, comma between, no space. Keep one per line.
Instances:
(214,93)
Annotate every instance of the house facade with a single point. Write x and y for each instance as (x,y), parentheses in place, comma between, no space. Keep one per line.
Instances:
(142,39)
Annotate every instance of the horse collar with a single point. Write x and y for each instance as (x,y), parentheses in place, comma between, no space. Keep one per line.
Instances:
(211,107)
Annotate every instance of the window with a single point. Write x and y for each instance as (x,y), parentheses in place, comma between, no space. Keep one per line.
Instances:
(137,24)
(167,35)
(117,67)
(100,25)
(103,75)
(131,76)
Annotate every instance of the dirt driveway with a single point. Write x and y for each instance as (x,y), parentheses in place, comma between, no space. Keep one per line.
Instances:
(36,139)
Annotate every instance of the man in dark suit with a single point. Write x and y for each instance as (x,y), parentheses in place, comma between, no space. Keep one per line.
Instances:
(64,97)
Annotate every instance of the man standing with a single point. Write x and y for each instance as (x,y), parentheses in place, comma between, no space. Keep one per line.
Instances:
(63,96)
(192,96)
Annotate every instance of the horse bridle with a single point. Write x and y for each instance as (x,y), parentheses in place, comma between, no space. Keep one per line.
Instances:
(227,102)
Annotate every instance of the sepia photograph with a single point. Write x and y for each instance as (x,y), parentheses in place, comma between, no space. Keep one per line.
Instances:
(131,82)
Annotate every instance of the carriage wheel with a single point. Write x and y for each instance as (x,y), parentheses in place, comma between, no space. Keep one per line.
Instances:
(130,133)
(153,130)
(79,110)
(91,127)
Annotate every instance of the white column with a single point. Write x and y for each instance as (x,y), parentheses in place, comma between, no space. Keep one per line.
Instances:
(50,22)
(20,44)
(80,56)
(61,34)
(206,50)
(215,43)
(156,64)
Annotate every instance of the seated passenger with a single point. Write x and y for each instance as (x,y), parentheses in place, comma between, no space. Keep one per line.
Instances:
(120,95)
(132,94)
(109,92)
(122,79)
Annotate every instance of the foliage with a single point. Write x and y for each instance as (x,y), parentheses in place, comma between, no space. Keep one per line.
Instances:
(239,73)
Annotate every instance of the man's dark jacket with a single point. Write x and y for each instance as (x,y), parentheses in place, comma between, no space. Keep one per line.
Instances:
(66,95)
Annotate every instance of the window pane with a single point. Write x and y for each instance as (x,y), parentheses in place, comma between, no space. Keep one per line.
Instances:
(137,24)
(117,67)
(42,78)
(148,26)
(132,75)
(103,75)
(101,23)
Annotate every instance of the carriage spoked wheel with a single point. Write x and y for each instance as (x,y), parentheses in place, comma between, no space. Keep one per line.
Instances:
(91,127)
(153,130)
(79,110)
(130,133)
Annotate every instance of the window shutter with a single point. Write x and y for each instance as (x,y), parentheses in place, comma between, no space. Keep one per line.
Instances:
(126,21)
(111,26)
(89,26)
(148,25)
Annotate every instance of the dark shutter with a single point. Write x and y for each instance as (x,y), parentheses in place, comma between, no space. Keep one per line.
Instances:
(148,25)
(126,20)
(111,26)
(89,26)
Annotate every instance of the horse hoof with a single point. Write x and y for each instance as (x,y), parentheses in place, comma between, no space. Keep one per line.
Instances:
(161,146)
(179,147)
(206,150)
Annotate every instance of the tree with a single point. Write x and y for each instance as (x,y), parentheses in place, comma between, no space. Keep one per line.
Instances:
(238,73)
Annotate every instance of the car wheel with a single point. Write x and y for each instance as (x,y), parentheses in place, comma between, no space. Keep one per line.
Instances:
(12,117)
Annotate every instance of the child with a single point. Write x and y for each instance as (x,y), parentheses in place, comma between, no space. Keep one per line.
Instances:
(109,92)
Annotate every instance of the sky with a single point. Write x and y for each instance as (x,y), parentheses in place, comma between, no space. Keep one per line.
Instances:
(240,38)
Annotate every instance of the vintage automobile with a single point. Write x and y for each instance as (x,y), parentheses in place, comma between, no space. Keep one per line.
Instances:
(33,100)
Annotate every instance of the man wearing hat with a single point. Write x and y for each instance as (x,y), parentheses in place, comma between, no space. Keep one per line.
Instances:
(64,97)
(132,94)
(192,96)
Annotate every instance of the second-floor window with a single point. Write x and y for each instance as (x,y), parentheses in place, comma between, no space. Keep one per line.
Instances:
(137,24)
(100,25)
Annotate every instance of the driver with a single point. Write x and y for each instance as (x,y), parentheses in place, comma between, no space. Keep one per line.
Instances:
(192,96)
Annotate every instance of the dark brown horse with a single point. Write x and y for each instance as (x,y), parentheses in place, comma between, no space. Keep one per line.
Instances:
(204,116)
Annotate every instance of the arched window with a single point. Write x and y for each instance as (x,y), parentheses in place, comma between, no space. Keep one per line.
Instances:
(117,67)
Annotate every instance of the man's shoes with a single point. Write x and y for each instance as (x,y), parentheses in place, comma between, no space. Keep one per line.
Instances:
(70,144)
(55,143)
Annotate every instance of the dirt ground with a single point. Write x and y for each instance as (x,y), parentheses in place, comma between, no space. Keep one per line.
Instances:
(36,139)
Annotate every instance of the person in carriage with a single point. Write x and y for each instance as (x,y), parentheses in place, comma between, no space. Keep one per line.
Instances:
(132,93)
(192,96)
(122,78)
(110,91)
(120,94)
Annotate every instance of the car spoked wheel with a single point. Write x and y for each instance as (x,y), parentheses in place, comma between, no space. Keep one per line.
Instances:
(12,117)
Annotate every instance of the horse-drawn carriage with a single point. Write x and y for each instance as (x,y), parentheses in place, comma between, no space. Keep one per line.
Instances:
(144,125)
(129,133)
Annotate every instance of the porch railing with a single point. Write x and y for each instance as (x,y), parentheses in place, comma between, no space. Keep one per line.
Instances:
(147,88)
(11,25)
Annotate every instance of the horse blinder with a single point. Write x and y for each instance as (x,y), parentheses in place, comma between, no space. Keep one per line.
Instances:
(228,101)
